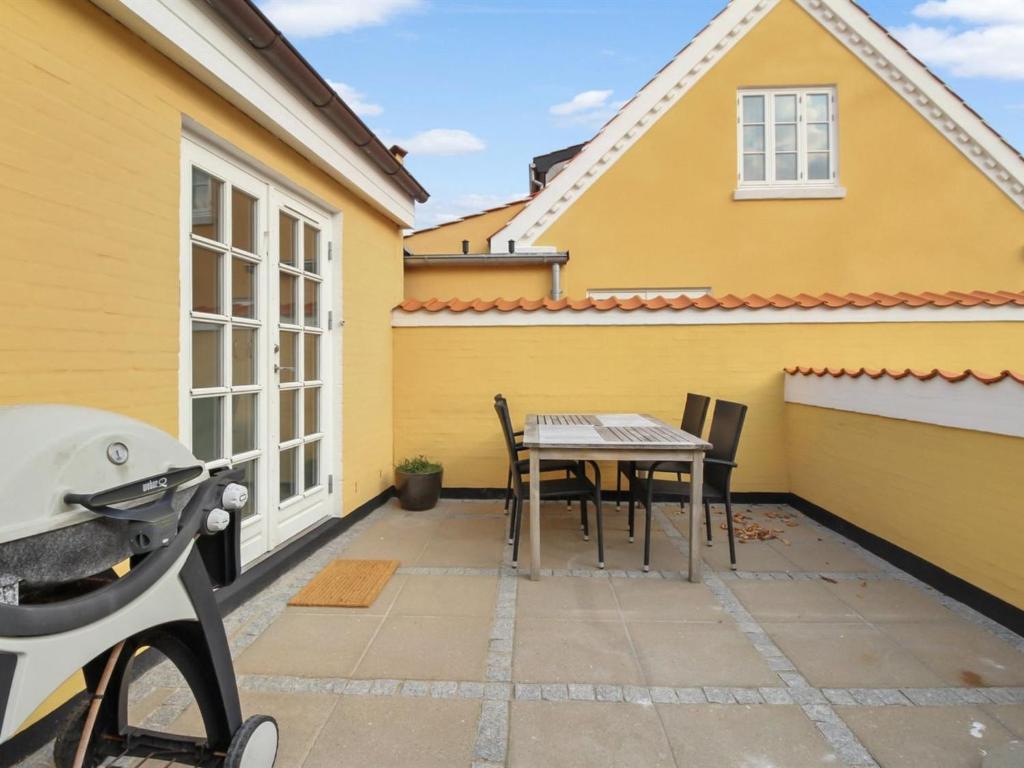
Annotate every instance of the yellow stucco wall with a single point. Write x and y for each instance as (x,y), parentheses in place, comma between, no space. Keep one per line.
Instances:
(918,215)
(485,282)
(446,378)
(478,228)
(90,211)
(950,496)
(89,208)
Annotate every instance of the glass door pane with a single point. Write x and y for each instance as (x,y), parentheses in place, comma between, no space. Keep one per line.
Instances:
(301,313)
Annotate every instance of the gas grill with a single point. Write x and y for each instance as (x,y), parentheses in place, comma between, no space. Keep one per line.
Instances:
(83,491)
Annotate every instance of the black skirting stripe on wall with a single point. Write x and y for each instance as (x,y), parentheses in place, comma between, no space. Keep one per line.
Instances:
(745,497)
(983,602)
(246,586)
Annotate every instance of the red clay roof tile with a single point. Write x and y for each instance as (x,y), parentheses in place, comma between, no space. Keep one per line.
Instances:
(950,376)
(728,302)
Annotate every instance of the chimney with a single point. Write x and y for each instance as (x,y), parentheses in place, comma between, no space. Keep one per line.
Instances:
(399,153)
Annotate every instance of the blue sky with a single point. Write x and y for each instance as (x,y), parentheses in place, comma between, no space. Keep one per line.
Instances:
(475,88)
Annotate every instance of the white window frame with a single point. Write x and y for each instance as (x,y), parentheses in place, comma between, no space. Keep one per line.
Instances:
(801,187)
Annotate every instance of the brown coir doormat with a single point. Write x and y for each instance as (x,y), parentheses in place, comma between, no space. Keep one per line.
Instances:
(347,584)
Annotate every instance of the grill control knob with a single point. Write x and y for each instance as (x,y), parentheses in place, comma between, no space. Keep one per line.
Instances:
(216,521)
(235,497)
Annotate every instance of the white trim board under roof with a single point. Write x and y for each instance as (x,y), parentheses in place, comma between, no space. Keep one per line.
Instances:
(851,26)
(191,34)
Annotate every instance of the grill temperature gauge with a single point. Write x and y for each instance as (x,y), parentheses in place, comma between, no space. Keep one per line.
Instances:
(117,453)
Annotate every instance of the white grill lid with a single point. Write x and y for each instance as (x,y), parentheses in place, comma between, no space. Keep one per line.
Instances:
(47,451)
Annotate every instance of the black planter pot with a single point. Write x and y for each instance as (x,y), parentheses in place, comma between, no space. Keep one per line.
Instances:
(418,491)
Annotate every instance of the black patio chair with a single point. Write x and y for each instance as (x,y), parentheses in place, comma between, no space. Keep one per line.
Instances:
(574,487)
(720,461)
(695,413)
(547,465)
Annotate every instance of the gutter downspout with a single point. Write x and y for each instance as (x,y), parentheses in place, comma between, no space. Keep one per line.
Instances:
(556,281)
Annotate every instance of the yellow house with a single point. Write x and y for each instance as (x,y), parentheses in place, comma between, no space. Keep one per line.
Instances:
(201,234)
(792,189)
(793,146)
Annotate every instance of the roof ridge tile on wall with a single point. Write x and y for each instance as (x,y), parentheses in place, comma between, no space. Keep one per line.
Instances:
(726,302)
(877,373)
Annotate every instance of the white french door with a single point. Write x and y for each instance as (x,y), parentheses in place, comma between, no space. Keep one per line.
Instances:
(257,360)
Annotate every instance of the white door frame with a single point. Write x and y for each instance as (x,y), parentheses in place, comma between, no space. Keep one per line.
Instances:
(263,535)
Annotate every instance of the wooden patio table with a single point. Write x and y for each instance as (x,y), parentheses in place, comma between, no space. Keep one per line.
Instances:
(611,437)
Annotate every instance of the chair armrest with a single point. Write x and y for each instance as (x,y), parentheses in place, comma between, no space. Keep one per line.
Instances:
(721,462)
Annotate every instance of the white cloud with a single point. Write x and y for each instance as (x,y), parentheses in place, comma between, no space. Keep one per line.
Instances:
(587,101)
(440,210)
(995,51)
(320,18)
(444,142)
(986,38)
(976,11)
(356,99)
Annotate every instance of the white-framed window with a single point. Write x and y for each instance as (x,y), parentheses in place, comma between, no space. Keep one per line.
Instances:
(786,138)
(646,293)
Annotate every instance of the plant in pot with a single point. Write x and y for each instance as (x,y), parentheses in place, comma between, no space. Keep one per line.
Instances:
(418,482)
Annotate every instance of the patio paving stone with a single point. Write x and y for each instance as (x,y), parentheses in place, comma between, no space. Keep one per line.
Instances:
(783,601)
(578,651)
(926,737)
(682,654)
(428,648)
(890,601)
(306,644)
(825,555)
(717,736)
(849,655)
(960,653)
(1011,716)
(397,732)
(567,598)
(446,596)
(640,599)
(562,735)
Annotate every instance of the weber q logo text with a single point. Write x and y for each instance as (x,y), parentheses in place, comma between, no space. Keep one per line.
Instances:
(154,485)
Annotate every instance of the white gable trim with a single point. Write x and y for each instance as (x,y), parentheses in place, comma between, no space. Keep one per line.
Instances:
(923,91)
(852,27)
(633,121)
(191,35)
